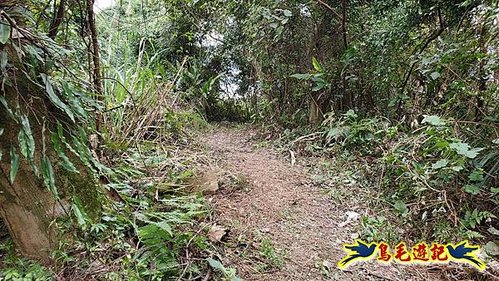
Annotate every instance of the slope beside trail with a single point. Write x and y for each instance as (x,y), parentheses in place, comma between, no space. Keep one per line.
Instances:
(279,226)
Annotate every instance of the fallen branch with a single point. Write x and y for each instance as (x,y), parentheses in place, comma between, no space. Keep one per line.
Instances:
(308,137)
(329,8)
(430,39)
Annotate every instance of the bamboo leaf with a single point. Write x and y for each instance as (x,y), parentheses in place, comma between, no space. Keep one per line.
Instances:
(14,164)
(3,102)
(79,212)
(4,33)
(54,98)
(302,76)
(4,60)
(73,100)
(48,176)
(66,163)
(25,137)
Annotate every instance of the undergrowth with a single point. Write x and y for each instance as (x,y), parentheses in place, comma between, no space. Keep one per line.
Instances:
(426,182)
(147,225)
(143,232)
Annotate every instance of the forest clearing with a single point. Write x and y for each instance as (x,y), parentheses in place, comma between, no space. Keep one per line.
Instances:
(249,140)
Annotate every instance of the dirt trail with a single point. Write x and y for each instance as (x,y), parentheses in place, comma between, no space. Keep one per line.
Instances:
(281,206)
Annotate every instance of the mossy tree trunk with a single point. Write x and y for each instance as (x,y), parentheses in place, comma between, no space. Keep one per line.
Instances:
(36,185)
(28,208)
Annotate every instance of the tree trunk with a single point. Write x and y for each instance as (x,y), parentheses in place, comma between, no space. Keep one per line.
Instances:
(57,20)
(27,207)
(96,60)
(28,211)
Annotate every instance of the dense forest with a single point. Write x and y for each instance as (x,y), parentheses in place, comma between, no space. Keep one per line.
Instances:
(115,114)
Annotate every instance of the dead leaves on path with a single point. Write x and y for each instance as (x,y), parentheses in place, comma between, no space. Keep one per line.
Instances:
(216,233)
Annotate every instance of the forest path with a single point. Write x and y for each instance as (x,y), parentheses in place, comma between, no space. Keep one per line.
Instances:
(279,226)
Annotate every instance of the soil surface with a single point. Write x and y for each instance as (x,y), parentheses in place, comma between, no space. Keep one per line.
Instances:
(278,225)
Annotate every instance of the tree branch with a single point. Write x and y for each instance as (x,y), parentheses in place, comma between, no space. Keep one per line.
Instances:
(57,20)
(432,37)
(329,8)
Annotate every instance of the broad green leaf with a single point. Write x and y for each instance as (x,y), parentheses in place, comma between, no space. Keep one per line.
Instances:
(23,143)
(472,189)
(54,98)
(494,190)
(476,175)
(79,214)
(216,264)
(494,231)
(287,13)
(165,226)
(441,144)
(317,65)
(318,87)
(460,148)
(435,75)
(82,152)
(35,52)
(318,77)
(4,33)
(14,164)
(351,114)
(440,164)
(48,175)
(334,133)
(464,149)
(433,120)
(393,102)
(492,248)
(152,235)
(27,143)
(472,153)
(401,207)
